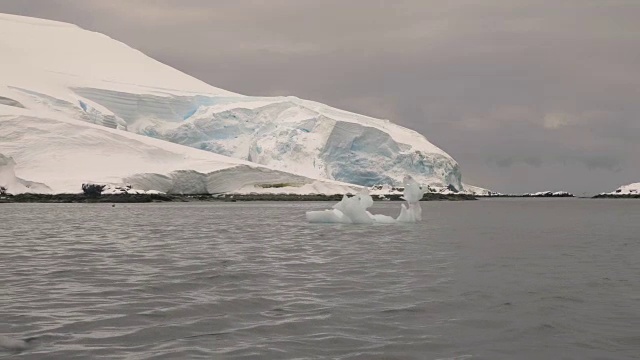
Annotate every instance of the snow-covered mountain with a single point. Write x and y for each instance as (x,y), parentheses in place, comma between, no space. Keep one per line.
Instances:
(67,94)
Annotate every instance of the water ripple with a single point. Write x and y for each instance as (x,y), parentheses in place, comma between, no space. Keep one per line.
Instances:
(252,280)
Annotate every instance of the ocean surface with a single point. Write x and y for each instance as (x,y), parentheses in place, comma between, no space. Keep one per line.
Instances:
(488,279)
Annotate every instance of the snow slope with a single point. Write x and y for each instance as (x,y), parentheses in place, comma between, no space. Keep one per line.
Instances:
(630,189)
(57,71)
(51,57)
(478,191)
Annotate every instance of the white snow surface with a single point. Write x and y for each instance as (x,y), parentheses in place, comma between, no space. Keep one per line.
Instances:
(478,191)
(53,73)
(549,193)
(51,57)
(630,189)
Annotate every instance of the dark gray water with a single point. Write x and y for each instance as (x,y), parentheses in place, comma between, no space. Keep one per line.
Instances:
(490,279)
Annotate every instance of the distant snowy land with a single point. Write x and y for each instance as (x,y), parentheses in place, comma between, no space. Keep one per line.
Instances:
(625,191)
(538,194)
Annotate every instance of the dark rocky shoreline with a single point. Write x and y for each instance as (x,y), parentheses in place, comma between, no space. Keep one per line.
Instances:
(528,196)
(148,198)
(611,196)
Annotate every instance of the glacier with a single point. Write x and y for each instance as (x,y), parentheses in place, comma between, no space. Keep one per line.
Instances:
(289,134)
(107,112)
(64,153)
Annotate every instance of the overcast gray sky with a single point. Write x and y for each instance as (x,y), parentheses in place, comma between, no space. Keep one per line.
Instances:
(526,95)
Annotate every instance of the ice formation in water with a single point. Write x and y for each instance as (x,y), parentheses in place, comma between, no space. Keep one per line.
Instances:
(353,210)
(412,194)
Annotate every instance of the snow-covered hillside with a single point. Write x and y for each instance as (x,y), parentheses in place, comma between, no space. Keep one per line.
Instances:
(57,80)
(625,190)
(57,140)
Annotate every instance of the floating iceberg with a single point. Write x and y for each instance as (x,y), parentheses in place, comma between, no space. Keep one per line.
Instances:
(412,194)
(353,210)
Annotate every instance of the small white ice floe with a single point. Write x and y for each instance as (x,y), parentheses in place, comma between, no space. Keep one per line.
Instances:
(353,210)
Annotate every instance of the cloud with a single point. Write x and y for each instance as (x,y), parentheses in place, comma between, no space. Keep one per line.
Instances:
(603,162)
(522,94)
(558,120)
(145,12)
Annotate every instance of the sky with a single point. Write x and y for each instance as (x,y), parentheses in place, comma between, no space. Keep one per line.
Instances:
(526,95)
